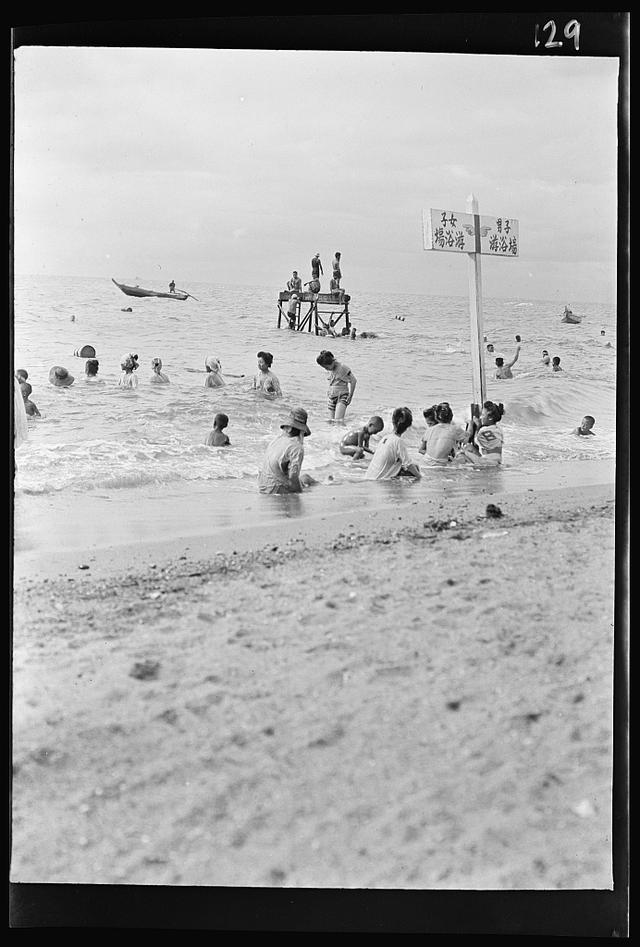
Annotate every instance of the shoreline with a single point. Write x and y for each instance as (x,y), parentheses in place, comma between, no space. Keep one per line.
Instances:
(301,716)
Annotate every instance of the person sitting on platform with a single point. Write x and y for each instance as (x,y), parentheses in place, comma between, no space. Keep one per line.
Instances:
(356,443)
(294,285)
(217,437)
(214,377)
(265,381)
(391,458)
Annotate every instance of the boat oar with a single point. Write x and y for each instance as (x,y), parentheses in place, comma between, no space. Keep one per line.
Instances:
(189,296)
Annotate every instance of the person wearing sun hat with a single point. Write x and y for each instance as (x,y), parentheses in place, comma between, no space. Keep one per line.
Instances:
(282,463)
(60,377)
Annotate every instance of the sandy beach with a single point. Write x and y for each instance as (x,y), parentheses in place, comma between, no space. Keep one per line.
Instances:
(414,698)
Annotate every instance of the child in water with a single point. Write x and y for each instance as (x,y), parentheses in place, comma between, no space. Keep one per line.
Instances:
(157,376)
(585,425)
(217,437)
(214,377)
(555,364)
(29,406)
(356,443)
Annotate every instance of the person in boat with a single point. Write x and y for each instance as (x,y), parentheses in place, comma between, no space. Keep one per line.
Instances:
(337,273)
(316,267)
(129,366)
(265,381)
(504,370)
(584,428)
(172,286)
(282,464)
(213,368)
(356,443)
(391,458)
(294,285)
(29,406)
(157,375)
(486,437)
(217,437)
(441,439)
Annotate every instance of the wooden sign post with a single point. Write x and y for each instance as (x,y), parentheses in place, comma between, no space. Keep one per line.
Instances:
(474,235)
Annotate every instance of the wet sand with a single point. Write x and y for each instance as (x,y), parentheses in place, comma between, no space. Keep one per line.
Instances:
(418,697)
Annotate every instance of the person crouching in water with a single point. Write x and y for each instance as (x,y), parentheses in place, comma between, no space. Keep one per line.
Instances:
(391,458)
(217,437)
(486,437)
(128,364)
(281,468)
(213,368)
(356,443)
(440,440)
(157,376)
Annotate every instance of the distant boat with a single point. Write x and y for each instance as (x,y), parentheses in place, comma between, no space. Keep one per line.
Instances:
(139,291)
(569,316)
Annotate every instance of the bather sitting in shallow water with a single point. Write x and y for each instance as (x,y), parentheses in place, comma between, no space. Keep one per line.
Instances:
(440,441)
(281,468)
(486,438)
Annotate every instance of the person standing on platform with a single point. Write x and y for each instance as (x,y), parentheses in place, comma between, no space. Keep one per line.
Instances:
(316,267)
(172,286)
(337,273)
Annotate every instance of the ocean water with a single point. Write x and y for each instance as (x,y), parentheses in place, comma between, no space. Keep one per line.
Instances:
(103,463)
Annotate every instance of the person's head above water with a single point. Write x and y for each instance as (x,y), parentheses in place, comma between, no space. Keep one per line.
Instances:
(490,347)
(267,360)
(499,361)
(220,421)
(156,363)
(26,389)
(587,422)
(555,360)
(22,374)
(60,377)
(91,366)
(212,364)
(402,420)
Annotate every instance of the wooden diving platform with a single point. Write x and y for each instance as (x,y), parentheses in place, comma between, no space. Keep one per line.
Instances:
(325,310)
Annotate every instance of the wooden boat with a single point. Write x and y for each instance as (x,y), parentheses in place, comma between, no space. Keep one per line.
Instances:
(570,317)
(139,291)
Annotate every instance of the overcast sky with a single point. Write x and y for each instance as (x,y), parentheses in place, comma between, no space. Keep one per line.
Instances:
(236,166)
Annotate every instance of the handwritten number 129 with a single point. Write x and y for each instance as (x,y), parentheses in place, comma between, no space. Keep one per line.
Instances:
(571,31)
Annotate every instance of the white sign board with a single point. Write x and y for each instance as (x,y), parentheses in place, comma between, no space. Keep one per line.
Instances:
(453,231)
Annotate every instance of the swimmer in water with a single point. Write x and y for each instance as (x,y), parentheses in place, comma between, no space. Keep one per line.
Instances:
(157,376)
(504,370)
(217,437)
(214,377)
(546,358)
(584,428)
